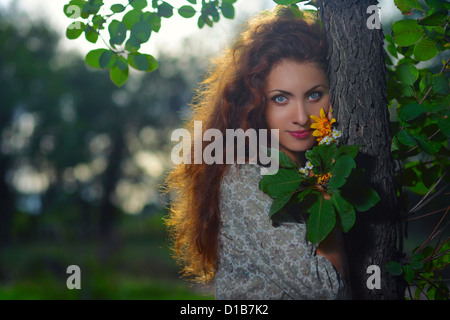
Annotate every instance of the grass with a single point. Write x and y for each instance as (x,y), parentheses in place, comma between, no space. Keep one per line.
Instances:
(137,267)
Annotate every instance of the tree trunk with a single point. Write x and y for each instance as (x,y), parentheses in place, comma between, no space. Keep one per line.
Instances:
(358,88)
(7,202)
(6,211)
(108,212)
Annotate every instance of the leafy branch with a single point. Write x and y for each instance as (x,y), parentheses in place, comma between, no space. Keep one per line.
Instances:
(329,186)
(422,132)
(127,35)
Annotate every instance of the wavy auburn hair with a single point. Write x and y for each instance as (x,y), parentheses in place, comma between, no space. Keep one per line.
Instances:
(231,97)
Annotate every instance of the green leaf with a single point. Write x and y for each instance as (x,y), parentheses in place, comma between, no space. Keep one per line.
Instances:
(358,192)
(405,90)
(408,273)
(153,19)
(406,138)
(122,63)
(411,111)
(117,8)
(131,18)
(279,202)
(141,31)
(394,268)
(407,32)
(143,62)
(341,170)
(321,220)
(133,44)
(426,145)
(283,182)
(165,10)
(301,194)
(98,20)
(370,197)
(407,73)
(425,83)
(208,21)
(444,125)
(444,258)
(286,162)
(117,32)
(187,11)
(119,76)
(192,1)
(407,5)
(201,22)
(416,265)
(296,12)
(435,18)
(345,210)
(107,59)
(438,4)
(392,49)
(72,10)
(436,108)
(138,61)
(435,32)
(91,7)
(286,2)
(439,84)
(425,49)
(90,34)
(138,4)
(349,150)
(227,10)
(75,30)
(321,158)
(93,57)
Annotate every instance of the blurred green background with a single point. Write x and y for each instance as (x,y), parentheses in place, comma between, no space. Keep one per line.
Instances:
(81,165)
(82,161)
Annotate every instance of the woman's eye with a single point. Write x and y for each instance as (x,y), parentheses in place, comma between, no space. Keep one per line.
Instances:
(279,99)
(315,96)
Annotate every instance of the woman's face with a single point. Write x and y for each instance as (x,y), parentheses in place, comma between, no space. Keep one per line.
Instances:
(294,92)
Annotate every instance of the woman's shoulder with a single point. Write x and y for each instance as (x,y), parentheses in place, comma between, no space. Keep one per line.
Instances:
(240,190)
(243,174)
(240,187)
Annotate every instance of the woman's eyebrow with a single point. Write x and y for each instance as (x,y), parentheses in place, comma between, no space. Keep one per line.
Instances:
(282,91)
(289,93)
(315,87)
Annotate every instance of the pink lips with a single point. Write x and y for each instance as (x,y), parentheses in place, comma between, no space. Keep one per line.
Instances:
(301,134)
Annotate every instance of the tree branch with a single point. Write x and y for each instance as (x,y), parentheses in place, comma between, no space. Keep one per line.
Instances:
(419,205)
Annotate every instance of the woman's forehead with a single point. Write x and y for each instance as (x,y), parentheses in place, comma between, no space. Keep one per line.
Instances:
(291,74)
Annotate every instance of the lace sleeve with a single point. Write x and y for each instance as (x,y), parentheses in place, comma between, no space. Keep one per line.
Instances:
(263,260)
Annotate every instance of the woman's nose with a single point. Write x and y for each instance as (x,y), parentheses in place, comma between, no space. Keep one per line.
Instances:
(300,115)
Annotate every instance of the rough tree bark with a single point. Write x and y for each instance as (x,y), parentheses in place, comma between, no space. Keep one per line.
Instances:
(358,88)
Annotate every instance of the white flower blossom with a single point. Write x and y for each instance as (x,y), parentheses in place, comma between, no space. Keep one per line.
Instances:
(327,140)
(303,171)
(336,134)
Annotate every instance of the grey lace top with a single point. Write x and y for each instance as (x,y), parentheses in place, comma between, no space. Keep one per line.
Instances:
(260,258)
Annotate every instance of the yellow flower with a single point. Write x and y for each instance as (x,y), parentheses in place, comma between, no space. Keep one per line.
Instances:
(322,126)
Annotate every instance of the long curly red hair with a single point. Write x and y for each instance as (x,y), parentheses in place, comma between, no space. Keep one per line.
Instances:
(231,97)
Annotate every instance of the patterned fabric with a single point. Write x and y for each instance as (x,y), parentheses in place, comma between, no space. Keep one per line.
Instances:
(265,259)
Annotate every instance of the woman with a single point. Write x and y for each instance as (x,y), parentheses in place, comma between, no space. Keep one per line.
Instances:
(272,78)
